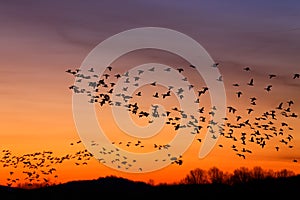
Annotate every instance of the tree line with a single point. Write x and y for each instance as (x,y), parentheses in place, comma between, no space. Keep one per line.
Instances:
(211,176)
(240,175)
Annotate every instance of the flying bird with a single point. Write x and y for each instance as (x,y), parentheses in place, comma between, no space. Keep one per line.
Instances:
(268,88)
(180,70)
(216,64)
(250,82)
(272,76)
(239,93)
(296,76)
(247,68)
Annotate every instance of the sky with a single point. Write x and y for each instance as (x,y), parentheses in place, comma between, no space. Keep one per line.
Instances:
(40,40)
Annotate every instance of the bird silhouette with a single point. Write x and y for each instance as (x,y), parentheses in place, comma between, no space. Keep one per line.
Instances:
(296,76)
(239,94)
(247,69)
(250,83)
(216,64)
(180,70)
(272,76)
(268,88)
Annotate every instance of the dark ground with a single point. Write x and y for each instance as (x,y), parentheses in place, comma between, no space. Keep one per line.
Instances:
(113,187)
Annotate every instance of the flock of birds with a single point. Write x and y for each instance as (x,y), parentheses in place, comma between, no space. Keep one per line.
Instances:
(244,129)
(36,168)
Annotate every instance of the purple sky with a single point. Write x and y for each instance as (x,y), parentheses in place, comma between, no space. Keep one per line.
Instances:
(258,32)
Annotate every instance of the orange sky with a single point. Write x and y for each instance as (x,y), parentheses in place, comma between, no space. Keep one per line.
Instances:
(36,104)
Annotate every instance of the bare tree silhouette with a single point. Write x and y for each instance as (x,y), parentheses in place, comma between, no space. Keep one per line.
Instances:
(258,173)
(216,176)
(284,173)
(241,175)
(196,176)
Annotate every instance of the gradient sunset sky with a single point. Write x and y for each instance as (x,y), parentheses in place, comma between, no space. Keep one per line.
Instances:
(40,40)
